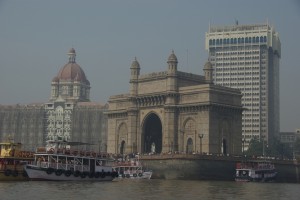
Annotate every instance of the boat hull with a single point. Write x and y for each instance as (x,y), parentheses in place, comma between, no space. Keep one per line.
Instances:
(271,178)
(36,173)
(144,175)
(13,176)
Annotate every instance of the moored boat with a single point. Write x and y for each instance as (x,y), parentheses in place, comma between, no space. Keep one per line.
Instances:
(58,161)
(131,168)
(256,171)
(12,160)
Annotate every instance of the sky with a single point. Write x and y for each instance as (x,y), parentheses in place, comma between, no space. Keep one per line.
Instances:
(35,36)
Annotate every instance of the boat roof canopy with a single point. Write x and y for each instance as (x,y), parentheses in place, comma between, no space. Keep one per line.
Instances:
(69,143)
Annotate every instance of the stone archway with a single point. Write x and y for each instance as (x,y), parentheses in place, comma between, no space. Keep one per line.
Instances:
(122,139)
(122,148)
(189,146)
(152,134)
(224,146)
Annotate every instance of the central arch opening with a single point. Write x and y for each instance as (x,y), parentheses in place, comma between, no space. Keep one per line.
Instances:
(152,137)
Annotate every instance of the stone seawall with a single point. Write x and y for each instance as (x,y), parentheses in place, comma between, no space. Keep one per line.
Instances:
(204,167)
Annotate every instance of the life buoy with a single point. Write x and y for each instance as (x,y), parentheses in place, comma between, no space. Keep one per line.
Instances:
(140,174)
(7,172)
(25,174)
(83,175)
(134,175)
(77,173)
(58,172)
(51,150)
(123,175)
(97,174)
(15,173)
(68,173)
(91,175)
(49,170)
(127,175)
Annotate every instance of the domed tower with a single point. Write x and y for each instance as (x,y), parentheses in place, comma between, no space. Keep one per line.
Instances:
(172,63)
(172,73)
(135,72)
(70,83)
(208,72)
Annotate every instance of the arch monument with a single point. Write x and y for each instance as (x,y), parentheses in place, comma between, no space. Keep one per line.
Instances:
(175,111)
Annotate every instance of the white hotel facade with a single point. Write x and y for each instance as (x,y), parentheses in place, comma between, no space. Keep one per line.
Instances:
(247,57)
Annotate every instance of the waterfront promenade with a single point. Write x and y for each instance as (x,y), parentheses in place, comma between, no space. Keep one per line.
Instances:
(212,167)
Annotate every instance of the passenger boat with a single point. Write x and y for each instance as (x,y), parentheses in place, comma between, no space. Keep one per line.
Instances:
(12,160)
(256,171)
(58,161)
(131,169)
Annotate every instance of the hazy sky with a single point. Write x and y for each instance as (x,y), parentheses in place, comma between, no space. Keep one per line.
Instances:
(35,36)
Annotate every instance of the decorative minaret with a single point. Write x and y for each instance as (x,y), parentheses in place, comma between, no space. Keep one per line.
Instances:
(72,55)
(172,73)
(135,72)
(208,72)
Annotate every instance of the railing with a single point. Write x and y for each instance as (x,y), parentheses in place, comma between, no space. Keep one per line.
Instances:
(64,166)
(73,152)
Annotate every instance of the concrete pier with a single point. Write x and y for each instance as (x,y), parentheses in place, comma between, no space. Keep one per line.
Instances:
(210,167)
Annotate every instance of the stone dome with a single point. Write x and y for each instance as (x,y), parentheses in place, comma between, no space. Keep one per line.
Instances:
(208,65)
(72,71)
(55,79)
(172,57)
(72,51)
(135,64)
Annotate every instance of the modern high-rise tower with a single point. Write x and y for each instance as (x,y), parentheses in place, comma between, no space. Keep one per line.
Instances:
(247,57)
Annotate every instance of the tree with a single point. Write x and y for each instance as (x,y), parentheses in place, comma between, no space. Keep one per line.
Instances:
(274,149)
(255,148)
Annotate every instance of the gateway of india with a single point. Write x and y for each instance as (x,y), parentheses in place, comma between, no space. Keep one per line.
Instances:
(168,111)
(175,111)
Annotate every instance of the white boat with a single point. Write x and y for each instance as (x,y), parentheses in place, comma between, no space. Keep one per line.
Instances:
(131,169)
(256,171)
(57,161)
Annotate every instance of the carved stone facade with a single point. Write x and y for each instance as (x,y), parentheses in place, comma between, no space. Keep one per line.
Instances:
(23,123)
(69,115)
(175,111)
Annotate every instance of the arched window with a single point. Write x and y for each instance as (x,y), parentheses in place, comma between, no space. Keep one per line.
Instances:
(228,41)
(249,39)
(224,41)
(214,41)
(257,40)
(246,40)
(235,40)
(217,41)
(210,42)
(231,41)
(242,40)
(253,40)
(239,40)
(265,38)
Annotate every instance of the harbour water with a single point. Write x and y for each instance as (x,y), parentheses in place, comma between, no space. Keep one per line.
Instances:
(146,189)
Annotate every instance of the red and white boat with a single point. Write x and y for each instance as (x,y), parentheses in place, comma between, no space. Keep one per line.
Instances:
(256,171)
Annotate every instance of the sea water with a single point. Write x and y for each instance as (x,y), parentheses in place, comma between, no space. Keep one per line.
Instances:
(153,189)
